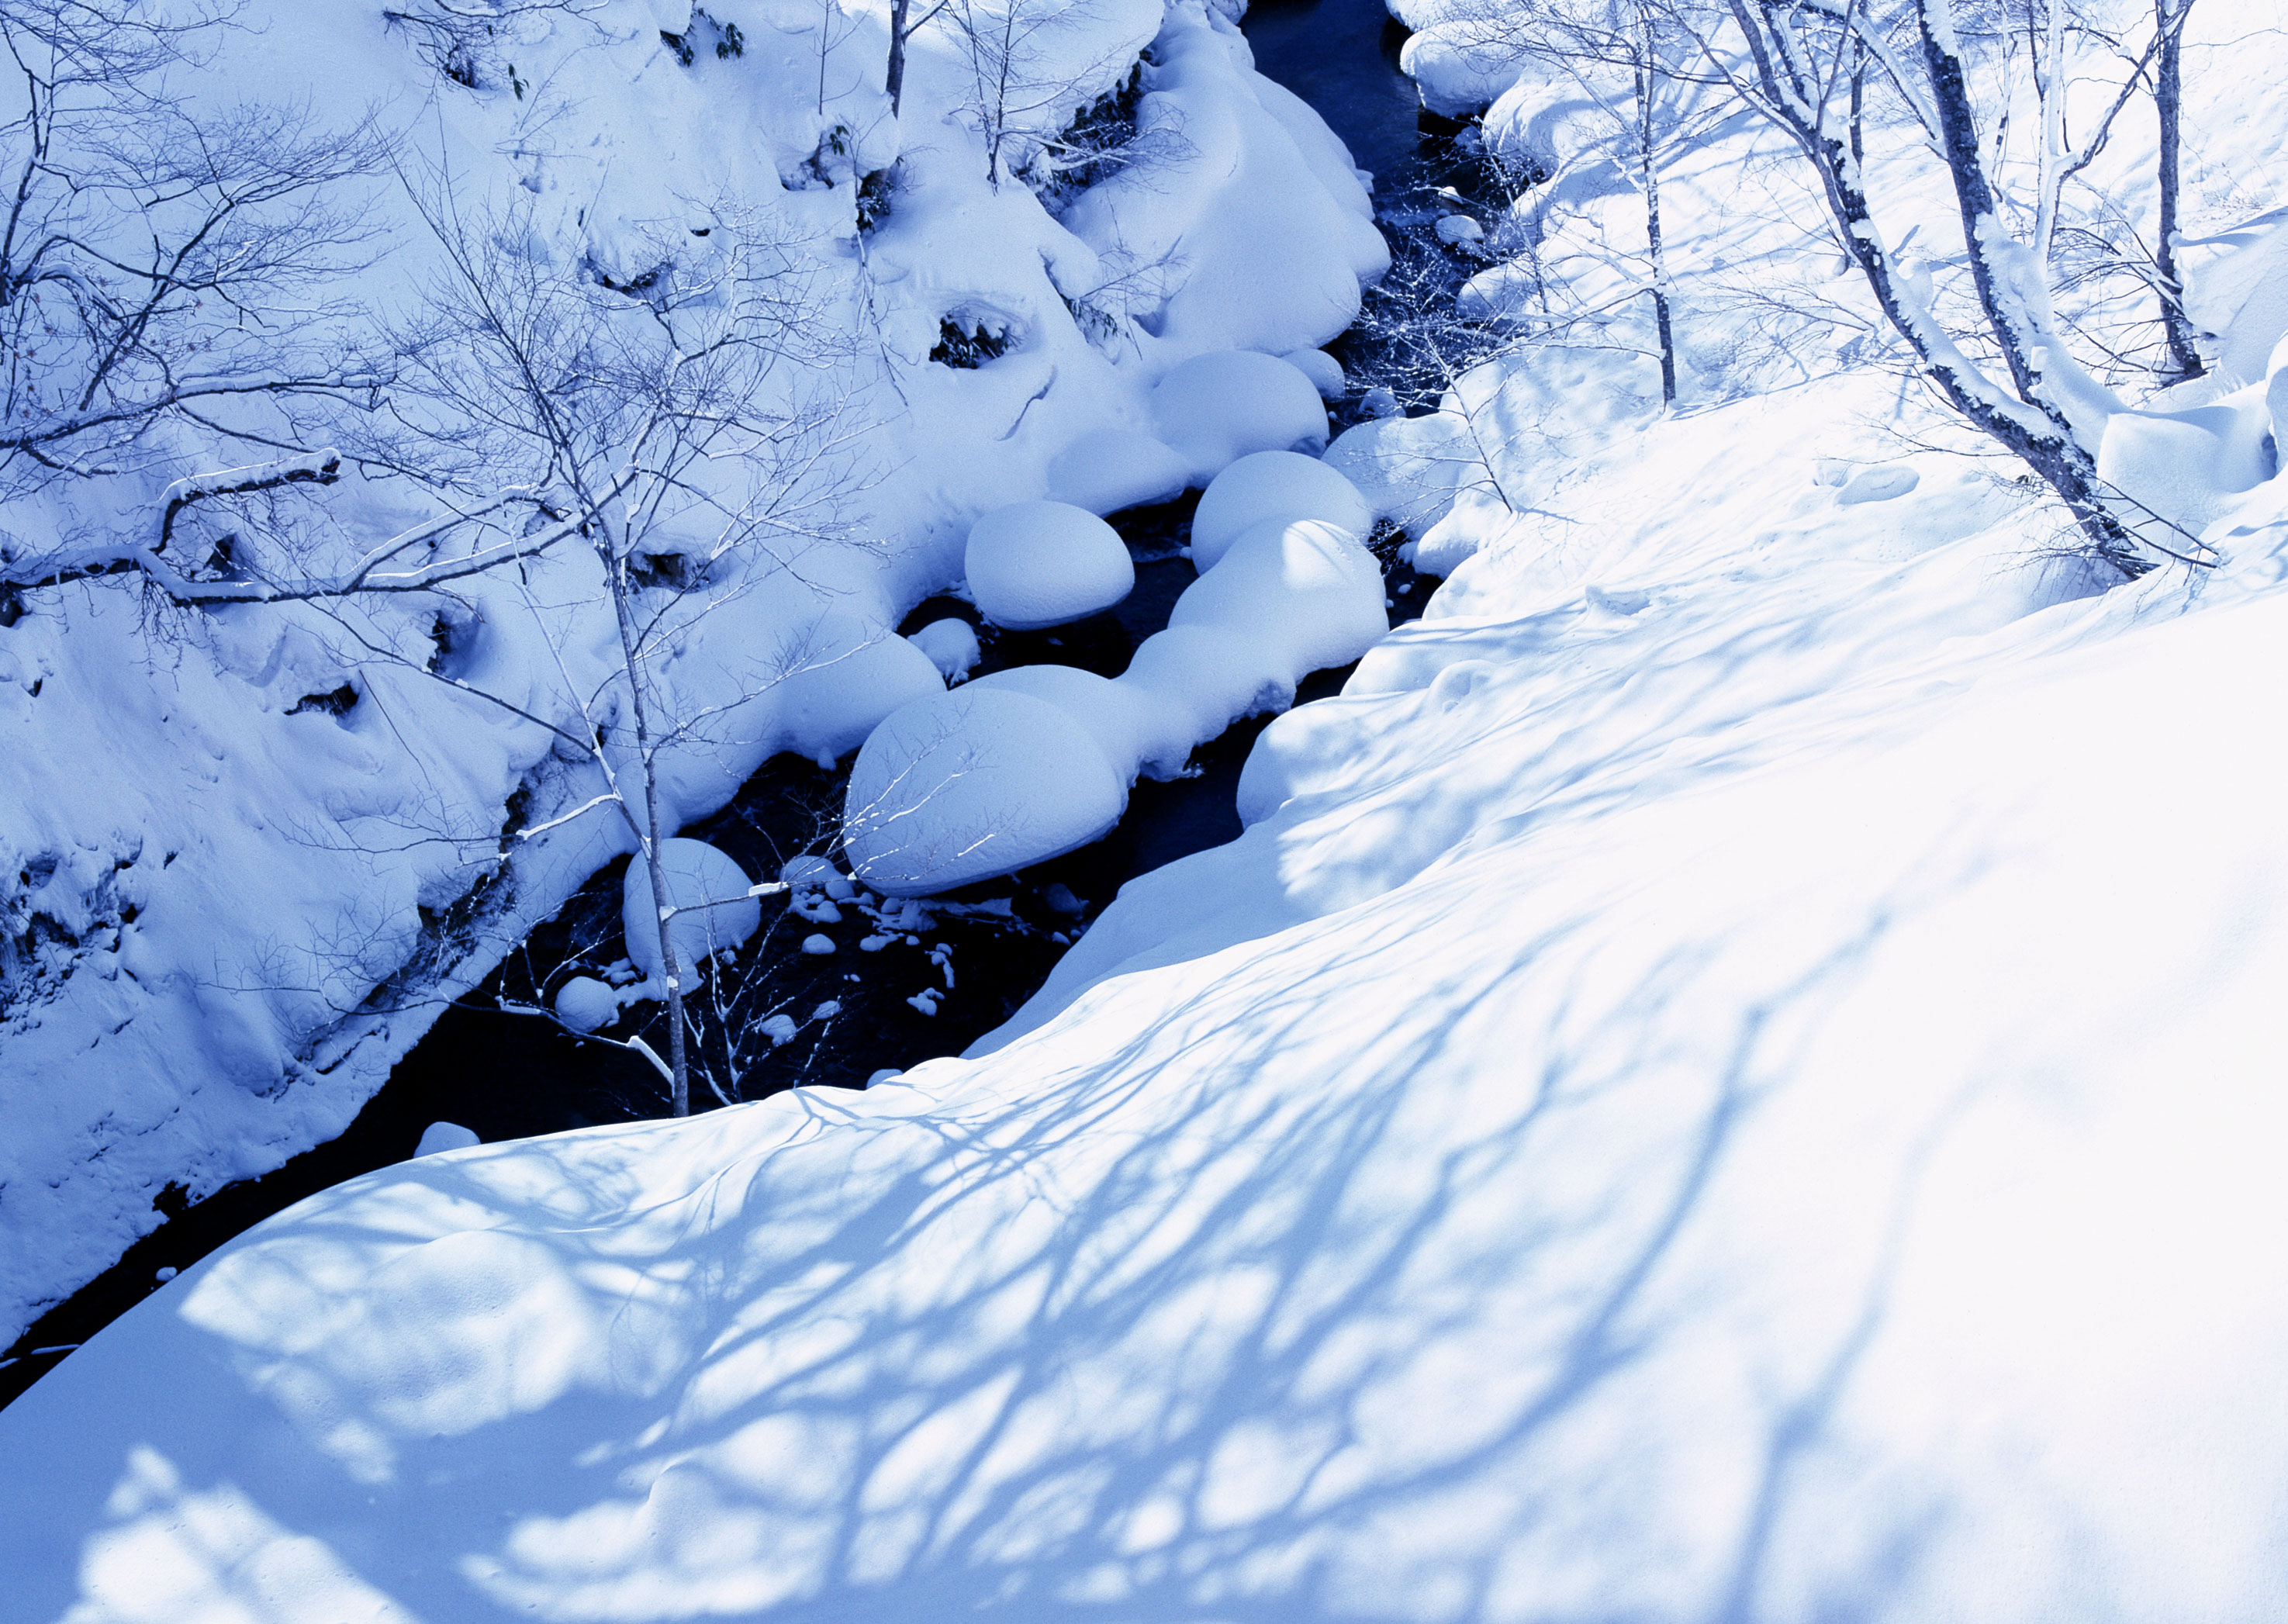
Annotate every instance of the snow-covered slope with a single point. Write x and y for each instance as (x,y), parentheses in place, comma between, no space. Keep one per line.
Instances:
(208,869)
(1732,1076)
(1816,1163)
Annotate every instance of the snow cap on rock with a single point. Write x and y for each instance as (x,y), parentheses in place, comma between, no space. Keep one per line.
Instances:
(585,1003)
(1324,371)
(440,1137)
(1112,469)
(1035,564)
(1215,409)
(1268,485)
(951,645)
(697,875)
(977,782)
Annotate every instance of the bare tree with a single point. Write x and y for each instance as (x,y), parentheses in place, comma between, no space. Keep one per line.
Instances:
(2013,376)
(162,270)
(1025,83)
(2168,33)
(903,25)
(670,425)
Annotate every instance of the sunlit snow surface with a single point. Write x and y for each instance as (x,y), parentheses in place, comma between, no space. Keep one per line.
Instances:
(1742,1090)
(1732,1076)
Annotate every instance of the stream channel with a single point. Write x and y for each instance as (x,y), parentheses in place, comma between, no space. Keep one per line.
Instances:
(508,1076)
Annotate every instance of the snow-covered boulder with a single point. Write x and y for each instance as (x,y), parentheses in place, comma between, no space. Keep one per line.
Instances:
(1324,371)
(1281,484)
(1308,594)
(1457,67)
(838,677)
(708,890)
(441,1137)
(1106,708)
(1112,469)
(951,645)
(585,1003)
(977,782)
(1215,409)
(1035,564)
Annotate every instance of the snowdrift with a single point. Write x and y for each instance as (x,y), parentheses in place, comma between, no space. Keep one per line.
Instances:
(220,834)
(1679,1106)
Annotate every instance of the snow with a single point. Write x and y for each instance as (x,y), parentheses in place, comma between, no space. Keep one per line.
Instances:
(1272,484)
(1111,469)
(1459,228)
(2183,467)
(1035,564)
(1878,484)
(713,911)
(435,1137)
(585,1003)
(215,897)
(808,871)
(1028,764)
(1324,371)
(1215,409)
(977,782)
(1732,1074)
(1305,593)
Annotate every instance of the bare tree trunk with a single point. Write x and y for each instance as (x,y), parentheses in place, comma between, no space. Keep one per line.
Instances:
(663,906)
(2031,428)
(1652,223)
(894,81)
(2184,358)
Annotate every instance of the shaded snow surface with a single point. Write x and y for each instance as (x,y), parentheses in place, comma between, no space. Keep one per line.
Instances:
(1680,1105)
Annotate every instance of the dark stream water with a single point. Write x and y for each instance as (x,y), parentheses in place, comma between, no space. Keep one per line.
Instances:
(509,1076)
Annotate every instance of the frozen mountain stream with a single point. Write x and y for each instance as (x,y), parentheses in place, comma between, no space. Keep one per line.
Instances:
(856,1012)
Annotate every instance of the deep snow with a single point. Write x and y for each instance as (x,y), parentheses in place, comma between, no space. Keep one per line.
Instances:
(1732,1075)
(219,930)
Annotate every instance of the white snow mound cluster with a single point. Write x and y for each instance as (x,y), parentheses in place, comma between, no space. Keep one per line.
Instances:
(210,901)
(973,783)
(1037,564)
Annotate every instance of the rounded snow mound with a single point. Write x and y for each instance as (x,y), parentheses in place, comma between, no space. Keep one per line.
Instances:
(1215,409)
(1111,469)
(975,783)
(1037,564)
(1308,591)
(709,893)
(1268,485)
(1324,371)
(951,645)
(1106,708)
(440,1137)
(585,1003)
(835,680)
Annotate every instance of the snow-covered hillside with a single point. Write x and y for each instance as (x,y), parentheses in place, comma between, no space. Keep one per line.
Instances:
(227,903)
(1731,1077)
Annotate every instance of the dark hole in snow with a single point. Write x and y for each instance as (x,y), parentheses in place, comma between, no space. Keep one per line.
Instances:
(334,702)
(677,572)
(968,343)
(877,191)
(12,605)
